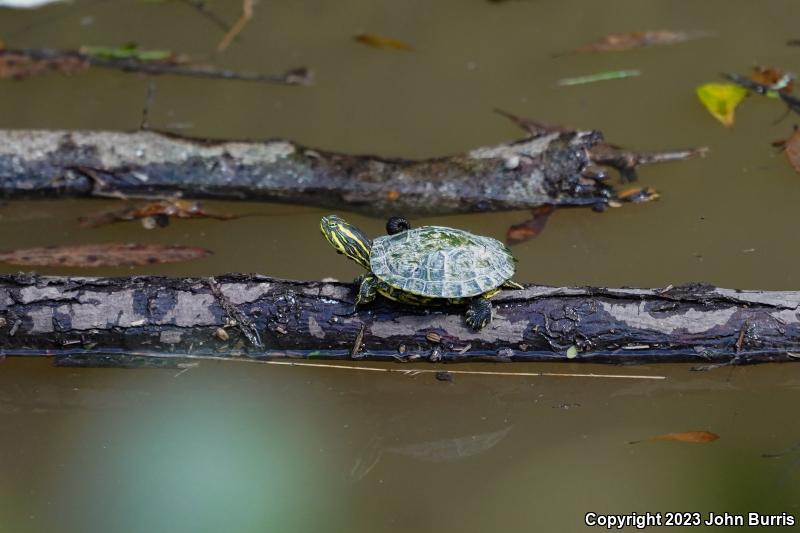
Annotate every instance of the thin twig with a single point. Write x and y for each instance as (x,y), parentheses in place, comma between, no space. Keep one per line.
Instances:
(203,9)
(247,14)
(148,103)
(357,344)
(404,371)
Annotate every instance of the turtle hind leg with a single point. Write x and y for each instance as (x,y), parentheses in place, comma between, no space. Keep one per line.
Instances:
(511,285)
(367,290)
(479,313)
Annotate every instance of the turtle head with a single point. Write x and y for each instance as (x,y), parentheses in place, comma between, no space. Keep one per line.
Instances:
(346,239)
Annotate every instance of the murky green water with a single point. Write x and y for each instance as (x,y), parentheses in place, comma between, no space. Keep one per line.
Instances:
(233,447)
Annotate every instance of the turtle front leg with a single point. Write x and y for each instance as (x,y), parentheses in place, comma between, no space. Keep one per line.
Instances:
(367,289)
(479,312)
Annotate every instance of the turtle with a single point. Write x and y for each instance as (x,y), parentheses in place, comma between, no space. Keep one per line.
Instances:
(429,265)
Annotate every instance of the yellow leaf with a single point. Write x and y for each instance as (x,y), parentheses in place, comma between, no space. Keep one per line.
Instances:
(721,99)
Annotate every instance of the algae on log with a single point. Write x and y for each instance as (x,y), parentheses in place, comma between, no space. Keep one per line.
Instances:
(142,321)
(549,169)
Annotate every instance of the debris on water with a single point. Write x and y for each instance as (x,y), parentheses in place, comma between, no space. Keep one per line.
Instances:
(638,195)
(791,147)
(445,376)
(452,449)
(695,437)
(721,100)
(531,228)
(19,64)
(601,76)
(131,51)
(157,214)
(618,42)
(776,79)
(792,102)
(378,41)
(103,255)
(248,10)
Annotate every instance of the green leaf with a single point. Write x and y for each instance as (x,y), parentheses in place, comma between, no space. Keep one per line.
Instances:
(721,99)
(126,51)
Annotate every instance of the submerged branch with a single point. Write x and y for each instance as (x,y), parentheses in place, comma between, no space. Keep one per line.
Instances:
(23,63)
(146,321)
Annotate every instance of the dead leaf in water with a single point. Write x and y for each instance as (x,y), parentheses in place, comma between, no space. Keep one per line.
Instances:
(102,255)
(774,78)
(695,437)
(161,211)
(721,100)
(531,228)
(792,149)
(618,42)
(377,41)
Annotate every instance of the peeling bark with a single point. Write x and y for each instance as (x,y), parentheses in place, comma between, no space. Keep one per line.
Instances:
(552,168)
(144,321)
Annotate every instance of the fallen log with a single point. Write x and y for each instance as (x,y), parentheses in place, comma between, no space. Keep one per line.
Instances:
(551,168)
(144,321)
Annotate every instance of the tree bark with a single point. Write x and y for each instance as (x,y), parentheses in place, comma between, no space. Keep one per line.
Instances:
(552,168)
(144,321)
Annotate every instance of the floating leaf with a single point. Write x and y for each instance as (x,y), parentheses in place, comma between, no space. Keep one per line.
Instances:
(532,227)
(128,51)
(376,41)
(157,212)
(102,255)
(792,149)
(776,79)
(721,99)
(601,76)
(695,437)
(618,42)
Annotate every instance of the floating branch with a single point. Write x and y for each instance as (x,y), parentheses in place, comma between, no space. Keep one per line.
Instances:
(553,168)
(144,321)
(23,63)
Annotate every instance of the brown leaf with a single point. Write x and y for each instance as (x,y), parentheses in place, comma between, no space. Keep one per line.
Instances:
(532,227)
(164,208)
(695,437)
(772,76)
(376,41)
(625,41)
(102,255)
(792,149)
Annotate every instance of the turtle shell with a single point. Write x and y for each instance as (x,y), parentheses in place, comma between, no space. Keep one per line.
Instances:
(440,262)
